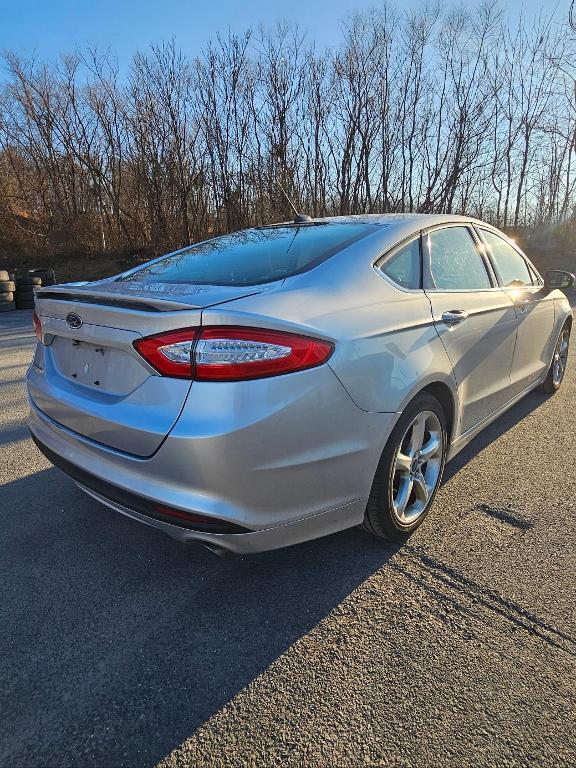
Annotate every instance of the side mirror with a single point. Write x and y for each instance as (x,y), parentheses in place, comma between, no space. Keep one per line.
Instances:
(558,278)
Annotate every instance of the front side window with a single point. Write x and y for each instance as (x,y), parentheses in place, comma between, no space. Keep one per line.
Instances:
(510,265)
(453,261)
(253,256)
(403,267)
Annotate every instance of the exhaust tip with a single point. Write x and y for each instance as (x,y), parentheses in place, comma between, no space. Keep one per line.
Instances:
(220,552)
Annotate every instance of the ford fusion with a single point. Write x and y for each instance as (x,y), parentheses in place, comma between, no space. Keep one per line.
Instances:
(281,383)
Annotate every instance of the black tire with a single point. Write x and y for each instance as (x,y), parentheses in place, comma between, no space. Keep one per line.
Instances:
(4,275)
(24,295)
(27,281)
(7,306)
(4,297)
(379,517)
(552,383)
(24,303)
(7,286)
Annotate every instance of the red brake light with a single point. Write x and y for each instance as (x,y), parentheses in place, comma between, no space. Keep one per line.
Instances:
(37,325)
(236,353)
(228,353)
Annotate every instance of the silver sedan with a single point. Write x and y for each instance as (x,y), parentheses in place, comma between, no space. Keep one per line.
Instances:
(281,383)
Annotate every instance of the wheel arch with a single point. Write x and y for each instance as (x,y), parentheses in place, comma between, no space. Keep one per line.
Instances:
(374,522)
(444,389)
(445,397)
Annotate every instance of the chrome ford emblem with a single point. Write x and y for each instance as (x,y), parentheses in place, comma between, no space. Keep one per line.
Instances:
(73,320)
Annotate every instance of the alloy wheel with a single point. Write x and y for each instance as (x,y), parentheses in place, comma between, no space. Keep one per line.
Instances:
(560,357)
(416,467)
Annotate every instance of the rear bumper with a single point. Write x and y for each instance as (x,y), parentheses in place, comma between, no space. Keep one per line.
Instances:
(244,542)
(292,468)
(322,524)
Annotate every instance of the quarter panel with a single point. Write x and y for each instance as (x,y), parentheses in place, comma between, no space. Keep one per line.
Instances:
(562,311)
(562,307)
(386,347)
(391,354)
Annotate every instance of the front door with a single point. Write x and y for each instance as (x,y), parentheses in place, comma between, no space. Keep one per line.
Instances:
(534,310)
(474,318)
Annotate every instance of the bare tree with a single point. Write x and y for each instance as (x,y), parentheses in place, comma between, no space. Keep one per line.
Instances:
(431,109)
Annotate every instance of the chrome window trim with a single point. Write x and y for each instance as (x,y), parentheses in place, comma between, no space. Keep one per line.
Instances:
(392,251)
(539,281)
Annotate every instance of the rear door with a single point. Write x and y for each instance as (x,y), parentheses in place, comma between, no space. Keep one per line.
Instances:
(474,318)
(534,309)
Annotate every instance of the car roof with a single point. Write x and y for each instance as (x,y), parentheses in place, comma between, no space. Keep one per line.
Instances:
(420,220)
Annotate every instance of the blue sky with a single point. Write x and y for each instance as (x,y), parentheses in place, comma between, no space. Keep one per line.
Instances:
(48,27)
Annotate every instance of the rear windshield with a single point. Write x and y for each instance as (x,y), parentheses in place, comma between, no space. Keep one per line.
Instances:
(252,256)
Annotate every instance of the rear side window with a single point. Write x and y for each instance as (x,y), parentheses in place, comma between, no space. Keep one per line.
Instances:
(510,266)
(403,267)
(453,261)
(253,256)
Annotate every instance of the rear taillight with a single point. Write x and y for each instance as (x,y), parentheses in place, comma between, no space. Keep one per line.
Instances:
(233,354)
(37,325)
(228,353)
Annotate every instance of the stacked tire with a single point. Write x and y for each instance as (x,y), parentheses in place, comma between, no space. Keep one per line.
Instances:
(24,294)
(6,291)
(19,293)
(45,274)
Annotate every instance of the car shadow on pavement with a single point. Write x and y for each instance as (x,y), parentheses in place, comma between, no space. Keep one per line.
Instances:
(118,642)
(13,433)
(490,434)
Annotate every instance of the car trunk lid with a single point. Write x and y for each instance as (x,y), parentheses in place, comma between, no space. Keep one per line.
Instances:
(88,377)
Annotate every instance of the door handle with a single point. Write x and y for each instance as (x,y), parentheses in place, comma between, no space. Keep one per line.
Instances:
(454,317)
(523,305)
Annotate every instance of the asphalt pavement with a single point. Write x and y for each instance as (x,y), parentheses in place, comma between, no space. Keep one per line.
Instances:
(120,647)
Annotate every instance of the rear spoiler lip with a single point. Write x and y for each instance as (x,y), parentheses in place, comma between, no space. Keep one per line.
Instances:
(103,298)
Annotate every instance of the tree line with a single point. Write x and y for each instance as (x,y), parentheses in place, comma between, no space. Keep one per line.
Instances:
(428,110)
